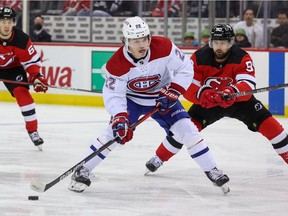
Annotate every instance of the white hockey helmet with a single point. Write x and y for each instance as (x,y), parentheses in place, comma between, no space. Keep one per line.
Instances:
(135,27)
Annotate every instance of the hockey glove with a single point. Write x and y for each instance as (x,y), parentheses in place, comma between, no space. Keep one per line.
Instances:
(167,99)
(40,83)
(227,101)
(208,97)
(120,127)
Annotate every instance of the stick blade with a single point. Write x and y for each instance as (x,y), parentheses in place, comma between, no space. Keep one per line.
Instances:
(37,186)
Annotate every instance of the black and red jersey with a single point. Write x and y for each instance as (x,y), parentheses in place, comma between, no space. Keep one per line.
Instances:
(237,70)
(18,51)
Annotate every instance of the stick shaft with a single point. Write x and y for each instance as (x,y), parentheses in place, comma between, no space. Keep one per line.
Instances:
(259,90)
(52,86)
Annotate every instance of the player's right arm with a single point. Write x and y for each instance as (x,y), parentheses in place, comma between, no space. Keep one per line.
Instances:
(114,94)
(115,87)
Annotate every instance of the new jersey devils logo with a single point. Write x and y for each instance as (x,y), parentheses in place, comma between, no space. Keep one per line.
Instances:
(218,83)
(6,59)
(144,84)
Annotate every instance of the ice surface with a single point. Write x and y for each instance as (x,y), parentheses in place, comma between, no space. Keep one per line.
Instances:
(259,177)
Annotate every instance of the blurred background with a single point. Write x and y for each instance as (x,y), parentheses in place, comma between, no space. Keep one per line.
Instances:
(101,21)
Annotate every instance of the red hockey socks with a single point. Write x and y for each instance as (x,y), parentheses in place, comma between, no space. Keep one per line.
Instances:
(27,107)
(168,148)
(274,132)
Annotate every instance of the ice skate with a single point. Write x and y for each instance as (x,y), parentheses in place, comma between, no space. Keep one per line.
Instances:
(36,139)
(153,164)
(219,179)
(80,180)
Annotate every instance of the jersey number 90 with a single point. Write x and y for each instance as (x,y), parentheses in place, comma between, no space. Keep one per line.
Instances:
(249,66)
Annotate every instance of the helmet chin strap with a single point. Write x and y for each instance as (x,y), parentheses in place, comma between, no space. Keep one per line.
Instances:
(126,45)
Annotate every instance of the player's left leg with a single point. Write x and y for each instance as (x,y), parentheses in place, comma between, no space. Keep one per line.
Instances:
(274,132)
(183,131)
(27,107)
(25,103)
(200,117)
(257,118)
(187,133)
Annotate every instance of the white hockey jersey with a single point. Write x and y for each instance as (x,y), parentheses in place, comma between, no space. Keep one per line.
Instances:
(141,82)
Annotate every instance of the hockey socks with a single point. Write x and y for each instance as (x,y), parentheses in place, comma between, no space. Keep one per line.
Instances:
(27,107)
(91,164)
(277,137)
(168,148)
(202,155)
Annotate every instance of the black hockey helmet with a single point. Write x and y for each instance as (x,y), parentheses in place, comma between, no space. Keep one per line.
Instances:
(7,13)
(222,32)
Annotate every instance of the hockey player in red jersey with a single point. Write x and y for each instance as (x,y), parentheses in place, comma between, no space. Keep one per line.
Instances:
(17,58)
(148,70)
(220,69)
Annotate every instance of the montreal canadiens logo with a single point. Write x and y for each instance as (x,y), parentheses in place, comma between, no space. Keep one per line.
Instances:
(144,84)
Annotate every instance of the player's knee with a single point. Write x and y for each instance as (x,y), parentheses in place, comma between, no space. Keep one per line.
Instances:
(22,93)
(186,132)
(20,89)
(197,124)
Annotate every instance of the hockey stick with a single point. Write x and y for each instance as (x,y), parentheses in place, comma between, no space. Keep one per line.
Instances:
(264,89)
(52,86)
(40,187)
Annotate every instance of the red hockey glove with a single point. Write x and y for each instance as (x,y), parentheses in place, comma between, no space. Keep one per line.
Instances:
(120,127)
(40,84)
(226,101)
(167,99)
(208,97)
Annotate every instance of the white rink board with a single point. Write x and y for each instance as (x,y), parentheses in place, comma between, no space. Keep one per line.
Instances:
(76,59)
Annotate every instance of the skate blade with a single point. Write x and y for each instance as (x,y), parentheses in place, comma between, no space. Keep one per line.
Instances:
(39,147)
(77,186)
(225,189)
(147,172)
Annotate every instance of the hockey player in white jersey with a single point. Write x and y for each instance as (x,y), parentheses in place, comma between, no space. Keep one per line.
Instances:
(148,70)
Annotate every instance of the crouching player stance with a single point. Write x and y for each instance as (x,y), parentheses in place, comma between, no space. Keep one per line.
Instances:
(17,58)
(148,70)
(221,69)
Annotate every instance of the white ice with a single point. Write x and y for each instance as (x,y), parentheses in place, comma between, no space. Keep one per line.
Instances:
(259,177)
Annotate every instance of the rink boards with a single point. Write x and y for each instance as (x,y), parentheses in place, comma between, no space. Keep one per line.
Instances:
(80,66)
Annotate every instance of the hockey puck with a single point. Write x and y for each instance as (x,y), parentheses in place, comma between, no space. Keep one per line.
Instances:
(33,197)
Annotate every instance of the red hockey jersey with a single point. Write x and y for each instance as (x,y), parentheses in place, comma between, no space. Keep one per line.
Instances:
(237,70)
(18,51)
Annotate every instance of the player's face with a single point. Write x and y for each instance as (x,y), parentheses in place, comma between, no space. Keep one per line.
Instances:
(6,26)
(139,47)
(221,48)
